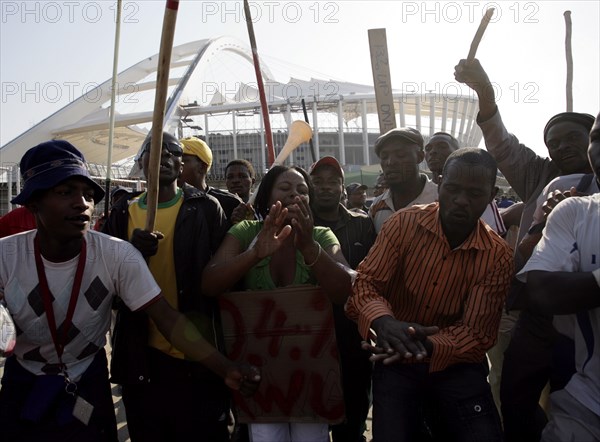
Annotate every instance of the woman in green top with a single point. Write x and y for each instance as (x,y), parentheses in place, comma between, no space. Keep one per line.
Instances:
(285,249)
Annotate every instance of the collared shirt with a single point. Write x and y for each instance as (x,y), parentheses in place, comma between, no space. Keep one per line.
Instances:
(571,243)
(412,274)
(383,206)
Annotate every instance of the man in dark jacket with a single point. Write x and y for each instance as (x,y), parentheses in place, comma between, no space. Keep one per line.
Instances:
(356,234)
(166,396)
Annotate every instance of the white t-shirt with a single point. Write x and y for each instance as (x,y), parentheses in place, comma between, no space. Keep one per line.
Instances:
(571,243)
(383,206)
(113,267)
(492,218)
(562,183)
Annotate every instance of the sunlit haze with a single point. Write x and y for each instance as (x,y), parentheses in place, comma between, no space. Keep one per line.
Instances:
(50,52)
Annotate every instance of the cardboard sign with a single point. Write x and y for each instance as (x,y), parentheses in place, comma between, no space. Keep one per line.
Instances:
(382,80)
(289,334)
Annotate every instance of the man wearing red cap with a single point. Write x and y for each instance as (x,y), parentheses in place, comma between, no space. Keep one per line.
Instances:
(356,234)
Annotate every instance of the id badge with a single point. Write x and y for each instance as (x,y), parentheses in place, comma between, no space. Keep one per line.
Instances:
(83,410)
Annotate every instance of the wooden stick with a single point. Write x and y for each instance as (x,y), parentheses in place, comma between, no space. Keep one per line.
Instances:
(310,142)
(569,54)
(261,88)
(479,34)
(382,80)
(111,124)
(162,84)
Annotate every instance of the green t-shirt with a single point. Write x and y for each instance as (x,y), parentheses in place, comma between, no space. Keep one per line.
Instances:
(259,276)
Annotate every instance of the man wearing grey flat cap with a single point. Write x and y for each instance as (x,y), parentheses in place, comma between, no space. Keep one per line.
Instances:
(400,152)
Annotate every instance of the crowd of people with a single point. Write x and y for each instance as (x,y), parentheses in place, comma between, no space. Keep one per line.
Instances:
(446,327)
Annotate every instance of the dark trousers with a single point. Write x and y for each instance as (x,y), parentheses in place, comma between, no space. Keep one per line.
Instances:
(356,371)
(175,405)
(458,403)
(356,384)
(537,354)
(21,390)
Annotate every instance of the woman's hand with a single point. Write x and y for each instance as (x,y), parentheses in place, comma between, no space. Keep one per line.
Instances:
(302,224)
(273,233)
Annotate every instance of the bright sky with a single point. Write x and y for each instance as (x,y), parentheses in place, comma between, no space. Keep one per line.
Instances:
(51,51)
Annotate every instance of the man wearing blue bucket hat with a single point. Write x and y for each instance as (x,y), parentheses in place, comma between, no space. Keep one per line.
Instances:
(58,282)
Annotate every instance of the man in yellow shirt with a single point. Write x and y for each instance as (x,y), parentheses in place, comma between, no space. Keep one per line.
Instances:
(166,396)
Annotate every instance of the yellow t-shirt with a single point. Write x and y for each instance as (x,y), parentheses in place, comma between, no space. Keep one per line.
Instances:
(162,265)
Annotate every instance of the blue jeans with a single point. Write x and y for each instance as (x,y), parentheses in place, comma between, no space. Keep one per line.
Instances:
(456,403)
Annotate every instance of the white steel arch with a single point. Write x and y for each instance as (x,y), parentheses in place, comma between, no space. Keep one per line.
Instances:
(84,122)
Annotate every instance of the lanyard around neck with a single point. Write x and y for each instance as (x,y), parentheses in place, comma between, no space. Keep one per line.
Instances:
(59,344)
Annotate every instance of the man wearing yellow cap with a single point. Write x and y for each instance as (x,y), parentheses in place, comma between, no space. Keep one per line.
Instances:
(197,159)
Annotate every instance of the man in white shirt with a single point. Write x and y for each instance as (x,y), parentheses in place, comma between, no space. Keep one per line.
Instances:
(55,387)
(563,279)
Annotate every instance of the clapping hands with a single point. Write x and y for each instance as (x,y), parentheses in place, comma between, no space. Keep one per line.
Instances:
(280,223)
(396,340)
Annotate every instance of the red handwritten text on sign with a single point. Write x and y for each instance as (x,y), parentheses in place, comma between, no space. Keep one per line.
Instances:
(289,334)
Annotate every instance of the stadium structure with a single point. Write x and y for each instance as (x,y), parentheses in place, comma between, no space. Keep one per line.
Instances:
(213,94)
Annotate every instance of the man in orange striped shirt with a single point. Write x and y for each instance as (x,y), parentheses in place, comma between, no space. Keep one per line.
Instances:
(432,289)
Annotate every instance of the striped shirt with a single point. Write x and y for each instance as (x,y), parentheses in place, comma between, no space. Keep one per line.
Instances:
(412,274)
(383,206)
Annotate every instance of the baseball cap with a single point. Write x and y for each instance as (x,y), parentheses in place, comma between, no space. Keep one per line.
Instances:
(403,133)
(327,161)
(354,187)
(119,189)
(195,146)
(48,164)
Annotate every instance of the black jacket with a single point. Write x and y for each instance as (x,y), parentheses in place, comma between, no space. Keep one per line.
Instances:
(356,234)
(354,231)
(229,201)
(199,229)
